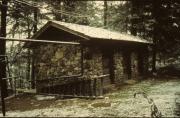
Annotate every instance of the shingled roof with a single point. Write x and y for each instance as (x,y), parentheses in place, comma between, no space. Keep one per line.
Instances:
(88,32)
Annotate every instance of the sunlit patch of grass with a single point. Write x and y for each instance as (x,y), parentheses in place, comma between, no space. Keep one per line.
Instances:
(101,104)
(119,96)
(83,105)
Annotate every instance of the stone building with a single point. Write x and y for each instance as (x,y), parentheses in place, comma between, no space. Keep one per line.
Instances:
(101,58)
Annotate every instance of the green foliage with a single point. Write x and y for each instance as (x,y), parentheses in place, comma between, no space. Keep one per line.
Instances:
(157,20)
(119,16)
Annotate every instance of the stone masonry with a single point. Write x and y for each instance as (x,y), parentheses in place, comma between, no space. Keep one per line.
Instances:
(65,60)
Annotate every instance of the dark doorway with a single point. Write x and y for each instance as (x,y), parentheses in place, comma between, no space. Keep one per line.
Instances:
(127,64)
(108,64)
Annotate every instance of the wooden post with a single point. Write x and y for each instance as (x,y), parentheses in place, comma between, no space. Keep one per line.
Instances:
(94,87)
(111,67)
(89,87)
(2,52)
(73,89)
(80,87)
(101,87)
(52,87)
(76,88)
(83,87)
(33,71)
(69,88)
(59,89)
(2,99)
(65,89)
(49,87)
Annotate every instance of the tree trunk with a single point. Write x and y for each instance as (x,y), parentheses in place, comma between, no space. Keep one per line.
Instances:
(3,48)
(4,92)
(35,20)
(28,69)
(59,7)
(154,56)
(133,11)
(34,31)
(105,12)
(156,5)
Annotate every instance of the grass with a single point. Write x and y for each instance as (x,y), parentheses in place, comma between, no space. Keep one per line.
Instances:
(118,102)
(101,104)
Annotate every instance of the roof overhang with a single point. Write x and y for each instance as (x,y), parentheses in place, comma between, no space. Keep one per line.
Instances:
(54,24)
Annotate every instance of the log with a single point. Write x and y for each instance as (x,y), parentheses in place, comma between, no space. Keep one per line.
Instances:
(72,96)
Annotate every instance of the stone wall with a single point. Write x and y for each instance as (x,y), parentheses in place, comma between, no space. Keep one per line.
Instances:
(118,66)
(92,62)
(121,65)
(57,60)
(134,65)
(65,60)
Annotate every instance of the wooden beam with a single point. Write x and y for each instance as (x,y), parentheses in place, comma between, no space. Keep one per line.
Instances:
(101,76)
(38,41)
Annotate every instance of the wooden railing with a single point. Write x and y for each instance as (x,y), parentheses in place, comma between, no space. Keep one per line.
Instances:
(72,85)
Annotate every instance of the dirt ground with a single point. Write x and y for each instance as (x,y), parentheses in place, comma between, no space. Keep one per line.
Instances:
(119,103)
